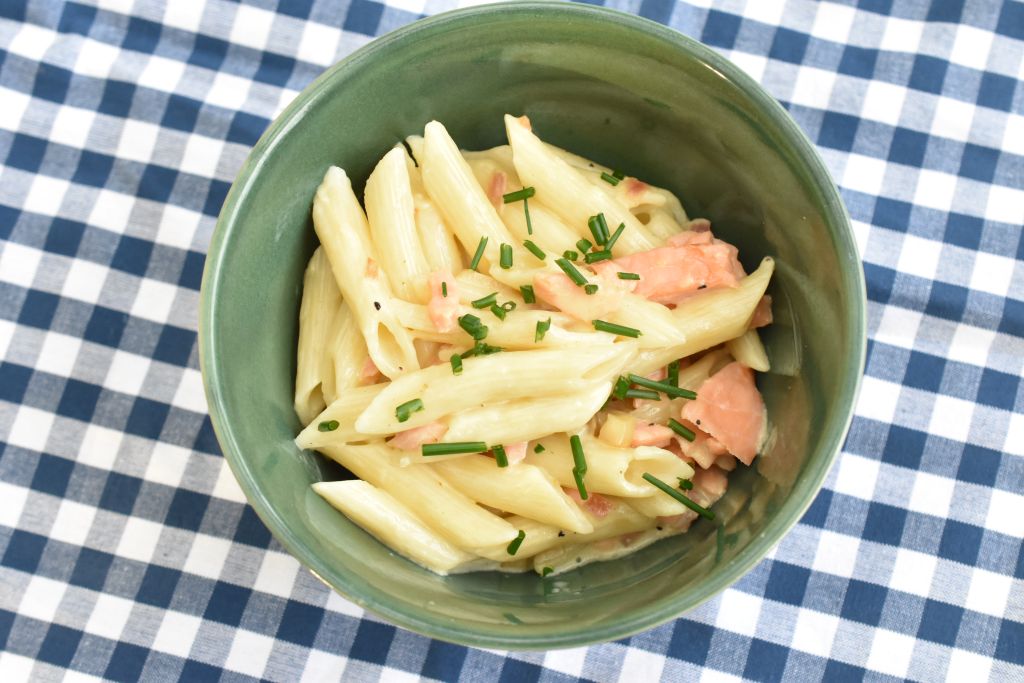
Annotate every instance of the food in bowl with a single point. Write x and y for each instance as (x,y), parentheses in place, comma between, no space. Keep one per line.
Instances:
(530,361)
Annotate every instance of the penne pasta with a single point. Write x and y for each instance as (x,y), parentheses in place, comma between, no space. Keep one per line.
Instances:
(320,300)
(344,410)
(748,349)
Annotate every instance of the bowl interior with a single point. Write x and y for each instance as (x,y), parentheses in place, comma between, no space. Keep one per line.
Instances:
(634,96)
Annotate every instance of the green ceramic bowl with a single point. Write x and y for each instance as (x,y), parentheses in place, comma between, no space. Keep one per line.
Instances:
(619,89)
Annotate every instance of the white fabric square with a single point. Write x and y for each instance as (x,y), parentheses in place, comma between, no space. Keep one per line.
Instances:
(109,616)
(277,574)
(251,27)
(1013,134)
(99,447)
(968,666)
(883,102)
(227,487)
(864,174)
(41,598)
(176,634)
(891,653)
(31,428)
(139,539)
(227,91)
(709,675)
(127,373)
(901,35)
(641,665)
(753,65)
(919,256)
(154,300)
(951,418)
(931,495)
(857,476)
(990,592)
(15,104)
(935,190)
(1005,204)
(971,47)
(6,335)
(912,572)
(322,666)
(738,612)
(336,603)
(861,234)
(84,281)
(318,44)
(161,73)
(111,210)
(138,140)
(992,273)
(898,327)
(15,667)
(952,119)
(1014,443)
(71,126)
(46,195)
(814,632)
(167,464)
(96,58)
(72,676)
(249,653)
(836,554)
(569,662)
(207,556)
(971,345)
(73,522)
(187,16)
(1006,513)
(12,503)
(177,226)
(190,395)
(833,22)
(765,11)
(201,156)
(813,87)
(31,42)
(18,264)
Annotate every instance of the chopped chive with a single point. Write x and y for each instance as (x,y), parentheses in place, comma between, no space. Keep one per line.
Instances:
(699,509)
(570,254)
(328,425)
(508,306)
(505,260)
(539,449)
(580,486)
(590,289)
(681,429)
(615,237)
(479,253)
(482,349)
(618,174)
(620,330)
(542,327)
(685,484)
(444,289)
(404,411)
(513,547)
(570,270)
(499,455)
(498,312)
(663,387)
(673,373)
(534,249)
(621,387)
(594,223)
(629,276)
(473,327)
(578,458)
(453,448)
(529,223)
(528,294)
(595,256)
(584,245)
(643,393)
(603,225)
(456,361)
(519,195)
(485,301)
(610,179)
(546,570)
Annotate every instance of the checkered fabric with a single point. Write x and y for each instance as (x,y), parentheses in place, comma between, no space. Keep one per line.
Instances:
(126,549)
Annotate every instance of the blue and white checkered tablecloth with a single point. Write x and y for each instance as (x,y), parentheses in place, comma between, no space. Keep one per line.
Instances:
(127,550)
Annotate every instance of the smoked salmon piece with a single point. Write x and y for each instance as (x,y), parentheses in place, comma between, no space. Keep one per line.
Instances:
(443,310)
(730,409)
(411,439)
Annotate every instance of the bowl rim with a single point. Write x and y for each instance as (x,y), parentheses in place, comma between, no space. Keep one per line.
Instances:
(651,615)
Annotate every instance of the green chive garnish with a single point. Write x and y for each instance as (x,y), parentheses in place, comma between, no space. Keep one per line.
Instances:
(456,361)
(620,330)
(328,426)
(685,484)
(505,260)
(498,312)
(663,387)
(621,387)
(484,302)
(580,486)
(615,237)
(570,270)
(519,195)
(570,254)
(473,327)
(444,289)
(508,306)
(644,394)
(578,458)
(618,174)
(590,289)
(513,547)
(453,448)
(539,449)
(528,294)
(499,455)
(482,349)
(610,179)
(542,327)
(534,249)
(404,411)
(584,245)
(529,223)
(700,510)
(681,430)
(546,571)
(479,253)
(673,373)
(600,233)
(595,256)
(629,276)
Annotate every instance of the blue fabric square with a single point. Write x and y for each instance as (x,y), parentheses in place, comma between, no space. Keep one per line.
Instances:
(24,551)
(884,523)
(157,586)
(372,642)
(208,52)
(192,270)
(215,198)
(940,622)
(363,17)
(199,672)
(52,475)
(720,29)
(51,83)
(979,465)
(277,69)
(924,371)
(147,418)
(908,147)
(26,153)
(181,113)
(91,569)
(175,345)
(1011,23)
(838,131)
(928,74)
(206,439)
(1010,646)
(117,98)
(119,493)
(300,623)
(227,604)
(93,169)
(187,509)
(691,641)
(157,183)
(246,129)
(963,231)
(1013,318)
(14,381)
(863,602)
(14,11)
(789,46)
(998,389)
(657,10)
(996,91)
(79,400)
(6,624)
(59,645)
(106,326)
(141,35)
(518,671)
(765,661)
(979,163)
(960,542)
(64,237)
(126,663)
(892,214)
(132,255)
(444,661)
(904,447)
(8,219)
(76,18)
(251,530)
(858,61)
(787,583)
(841,672)
(38,309)
(947,301)
(296,8)
(946,10)
(817,513)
